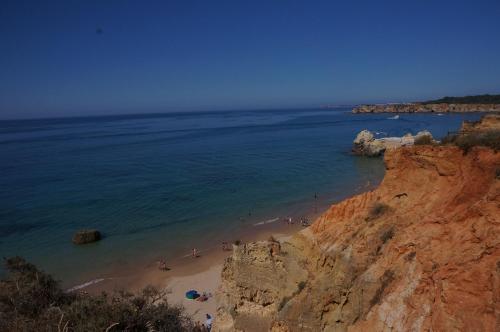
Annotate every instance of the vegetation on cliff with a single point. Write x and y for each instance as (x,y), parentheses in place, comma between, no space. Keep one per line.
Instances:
(485,132)
(31,300)
(467,141)
(477,99)
(419,253)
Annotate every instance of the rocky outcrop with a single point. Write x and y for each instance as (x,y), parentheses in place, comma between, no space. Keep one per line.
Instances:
(419,253)
(86,236)
(426,108)
(486,123)
(366,144)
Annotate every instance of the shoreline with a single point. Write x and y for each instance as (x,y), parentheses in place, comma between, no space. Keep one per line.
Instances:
(134,276)
(202,274)
(149,274)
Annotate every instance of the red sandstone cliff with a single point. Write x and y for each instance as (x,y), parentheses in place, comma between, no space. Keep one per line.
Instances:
(419,253)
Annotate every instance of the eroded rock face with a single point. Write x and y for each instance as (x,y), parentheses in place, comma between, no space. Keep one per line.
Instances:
(426,108)
(366,144)
(429,260)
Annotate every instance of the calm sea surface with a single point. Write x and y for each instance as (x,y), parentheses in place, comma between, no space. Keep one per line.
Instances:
(165,183)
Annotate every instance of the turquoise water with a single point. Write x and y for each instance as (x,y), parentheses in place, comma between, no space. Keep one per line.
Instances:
(165,183)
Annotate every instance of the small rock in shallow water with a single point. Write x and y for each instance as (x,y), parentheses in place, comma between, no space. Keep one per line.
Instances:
(86,236)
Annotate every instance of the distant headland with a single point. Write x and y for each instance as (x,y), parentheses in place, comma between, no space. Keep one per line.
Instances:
(479,103)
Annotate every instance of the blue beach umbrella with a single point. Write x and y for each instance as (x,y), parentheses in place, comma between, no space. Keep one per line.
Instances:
(192,294)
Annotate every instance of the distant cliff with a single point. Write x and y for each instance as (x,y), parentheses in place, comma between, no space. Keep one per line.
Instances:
(419,253)
(426,108)
(479,103)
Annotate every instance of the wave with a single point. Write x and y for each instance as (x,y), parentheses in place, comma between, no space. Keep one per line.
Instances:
(266,222)
(86,284)
(395,117)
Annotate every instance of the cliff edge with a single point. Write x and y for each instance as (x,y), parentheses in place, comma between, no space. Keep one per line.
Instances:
(421,252)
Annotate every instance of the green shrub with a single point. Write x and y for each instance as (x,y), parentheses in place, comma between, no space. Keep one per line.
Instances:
(387,235)
(449,139)
(476,99)
(423,140)
(467,141)
(31,300)
(377,210)
(410,256)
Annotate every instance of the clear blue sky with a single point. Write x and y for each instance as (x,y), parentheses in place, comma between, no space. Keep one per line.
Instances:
(155,56)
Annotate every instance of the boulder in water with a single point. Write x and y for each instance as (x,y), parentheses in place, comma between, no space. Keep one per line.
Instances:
(366,144)
(364,136)
(86,236)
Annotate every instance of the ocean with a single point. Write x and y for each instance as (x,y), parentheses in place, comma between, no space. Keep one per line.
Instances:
(161,184)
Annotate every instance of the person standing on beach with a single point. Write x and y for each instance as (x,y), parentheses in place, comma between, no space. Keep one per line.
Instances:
(315,202)
(162,265)
(195,253)
(208,322)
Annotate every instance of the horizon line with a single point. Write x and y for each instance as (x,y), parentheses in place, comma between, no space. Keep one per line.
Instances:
(161,113)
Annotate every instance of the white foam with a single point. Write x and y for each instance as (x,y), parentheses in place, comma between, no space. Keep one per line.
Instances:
(91,282)
(266,222)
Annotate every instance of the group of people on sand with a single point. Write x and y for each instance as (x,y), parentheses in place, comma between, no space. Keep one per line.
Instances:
(205,327)
(303,221)
(162,265)
(226,246)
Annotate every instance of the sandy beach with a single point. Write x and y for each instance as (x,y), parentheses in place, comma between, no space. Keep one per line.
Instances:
(207,280)
(201,273)
(204,282)
(185,273)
